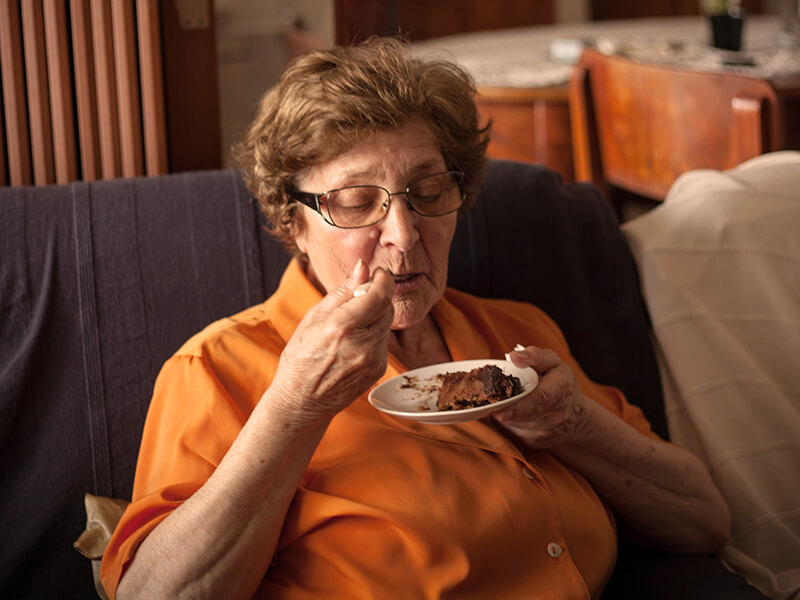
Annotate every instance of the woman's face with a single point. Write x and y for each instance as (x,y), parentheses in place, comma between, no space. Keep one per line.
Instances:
(414,249)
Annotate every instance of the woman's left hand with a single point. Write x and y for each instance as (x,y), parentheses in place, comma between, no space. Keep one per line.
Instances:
(662,491)
(553,413)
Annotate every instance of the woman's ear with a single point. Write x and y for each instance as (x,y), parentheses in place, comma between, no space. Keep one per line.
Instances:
(293,227)
(298,232)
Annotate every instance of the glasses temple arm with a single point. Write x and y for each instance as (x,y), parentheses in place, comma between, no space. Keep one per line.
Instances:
(307,198)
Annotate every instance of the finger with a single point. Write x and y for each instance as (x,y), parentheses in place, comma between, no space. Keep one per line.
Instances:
(373,307)
(551,393)
(362,289)
(541,359)
(382,284)
(344,292)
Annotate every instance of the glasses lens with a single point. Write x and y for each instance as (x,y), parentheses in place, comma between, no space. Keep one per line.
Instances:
(356,206)
(436,194)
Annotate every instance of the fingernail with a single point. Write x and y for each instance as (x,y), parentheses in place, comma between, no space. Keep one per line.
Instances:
(504,415)
(362,289)
(517,348)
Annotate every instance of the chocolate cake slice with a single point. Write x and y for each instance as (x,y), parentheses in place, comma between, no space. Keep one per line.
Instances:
(483,385)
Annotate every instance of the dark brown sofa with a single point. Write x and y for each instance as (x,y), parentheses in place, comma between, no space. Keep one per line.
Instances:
(101,282)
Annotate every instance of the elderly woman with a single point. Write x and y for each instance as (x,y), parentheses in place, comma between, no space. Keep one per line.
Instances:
(263,469)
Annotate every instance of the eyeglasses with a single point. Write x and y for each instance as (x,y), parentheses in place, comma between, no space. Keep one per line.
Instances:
(357,206)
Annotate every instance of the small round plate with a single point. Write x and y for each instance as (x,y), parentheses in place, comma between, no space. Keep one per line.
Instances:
(413,394)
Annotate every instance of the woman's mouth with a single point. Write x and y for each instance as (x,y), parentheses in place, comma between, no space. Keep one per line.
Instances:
(404,282)
(400,278)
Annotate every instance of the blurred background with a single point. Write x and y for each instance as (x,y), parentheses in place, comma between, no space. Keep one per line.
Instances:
(255,40)
(97,89)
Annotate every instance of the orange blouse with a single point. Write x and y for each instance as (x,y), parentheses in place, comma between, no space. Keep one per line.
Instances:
(388,508)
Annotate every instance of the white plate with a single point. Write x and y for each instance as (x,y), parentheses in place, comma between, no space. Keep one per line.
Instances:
(412,395)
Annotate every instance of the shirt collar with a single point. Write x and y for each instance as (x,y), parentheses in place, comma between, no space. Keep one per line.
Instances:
(296,295)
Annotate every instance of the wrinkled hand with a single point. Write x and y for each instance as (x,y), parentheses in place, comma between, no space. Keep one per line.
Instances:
(553,412)
(338,350)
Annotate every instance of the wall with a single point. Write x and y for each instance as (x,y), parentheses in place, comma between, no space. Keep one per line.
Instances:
(255,41)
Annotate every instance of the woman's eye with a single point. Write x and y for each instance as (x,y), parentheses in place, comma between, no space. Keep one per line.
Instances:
(426,193)
(430,187)
(357,208)
(354,199)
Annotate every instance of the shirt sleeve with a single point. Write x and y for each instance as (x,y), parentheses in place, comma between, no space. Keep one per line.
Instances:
(191,423)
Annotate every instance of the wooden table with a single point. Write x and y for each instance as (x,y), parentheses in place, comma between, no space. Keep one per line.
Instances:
(524,91)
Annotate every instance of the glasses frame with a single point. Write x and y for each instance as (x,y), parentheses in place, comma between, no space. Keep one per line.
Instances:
(312,200)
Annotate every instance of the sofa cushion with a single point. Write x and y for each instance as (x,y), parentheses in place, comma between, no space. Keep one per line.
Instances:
(101,282)
(102,516)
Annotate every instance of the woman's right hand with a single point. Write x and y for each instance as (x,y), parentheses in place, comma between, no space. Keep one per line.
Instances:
(338,350)
(220,540)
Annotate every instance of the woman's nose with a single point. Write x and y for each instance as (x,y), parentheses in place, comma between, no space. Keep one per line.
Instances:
(399,226)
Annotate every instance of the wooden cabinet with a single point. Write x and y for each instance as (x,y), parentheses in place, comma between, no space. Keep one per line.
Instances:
(529,125)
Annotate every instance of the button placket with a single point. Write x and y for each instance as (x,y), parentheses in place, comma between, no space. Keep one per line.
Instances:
(554,550)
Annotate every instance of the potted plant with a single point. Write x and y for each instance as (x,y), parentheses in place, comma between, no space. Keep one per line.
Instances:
(726,18)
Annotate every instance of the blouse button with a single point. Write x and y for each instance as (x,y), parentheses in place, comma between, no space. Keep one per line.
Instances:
(554,549)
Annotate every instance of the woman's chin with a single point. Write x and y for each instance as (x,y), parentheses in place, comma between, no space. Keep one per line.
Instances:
(411,308)
(406,317)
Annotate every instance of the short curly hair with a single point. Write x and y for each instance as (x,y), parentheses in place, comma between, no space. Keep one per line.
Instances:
(328,100)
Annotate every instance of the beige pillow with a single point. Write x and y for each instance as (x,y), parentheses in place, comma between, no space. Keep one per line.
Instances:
(102,516)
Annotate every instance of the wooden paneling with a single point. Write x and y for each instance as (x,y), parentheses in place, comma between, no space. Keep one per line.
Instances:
(106,89)
(38,92)
(83,96)
(85,85)
(192,94)
(155,130)
(126,68)
(422,19)
(356,20)
(15,111)
(3,170)
(61,106)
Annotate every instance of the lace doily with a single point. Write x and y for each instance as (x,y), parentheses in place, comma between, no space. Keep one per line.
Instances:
(523,57)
